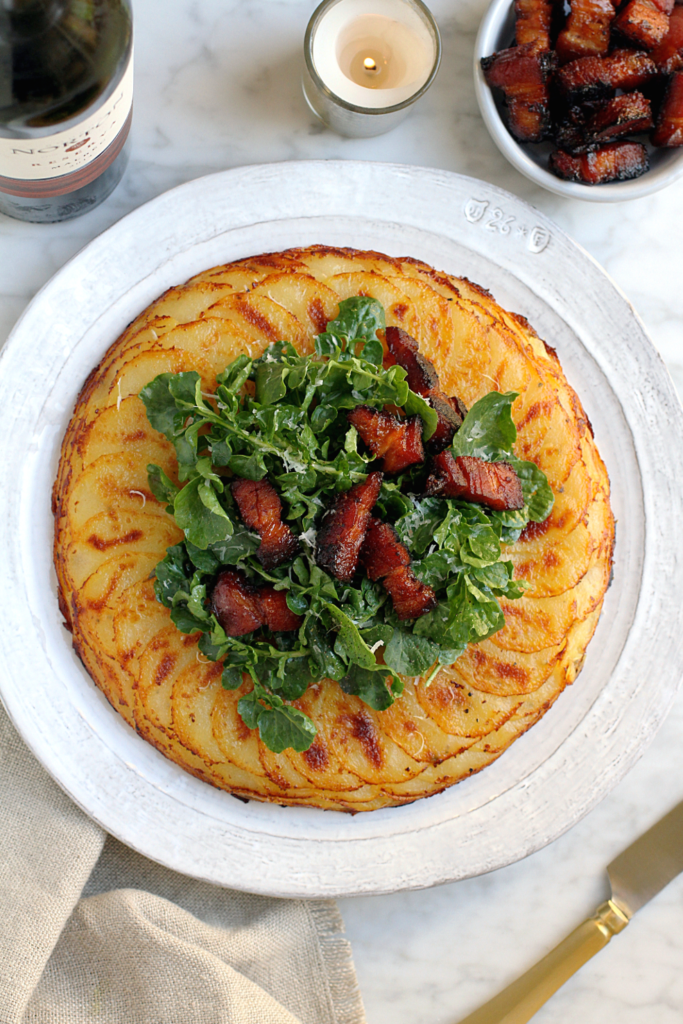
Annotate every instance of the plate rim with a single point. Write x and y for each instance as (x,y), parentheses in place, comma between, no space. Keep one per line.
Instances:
(350,172)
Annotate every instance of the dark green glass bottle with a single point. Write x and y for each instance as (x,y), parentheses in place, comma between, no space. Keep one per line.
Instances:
(66,87)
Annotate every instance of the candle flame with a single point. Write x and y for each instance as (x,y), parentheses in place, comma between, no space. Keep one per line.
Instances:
(369,64)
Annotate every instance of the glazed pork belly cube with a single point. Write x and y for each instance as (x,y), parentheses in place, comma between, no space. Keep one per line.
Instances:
(618,161)
(451,413)
(420,372)
(570,133)
(261,510)
(344,526)
(668,55)
(587,31)
(669,129)
(424,380)
(494,484)
(594,78)
(642,22)
(410,597)
(626,114)
(386,559)
(533,20)
(241,607)
(275,611)
(235,603)
(397,441)
(523,74)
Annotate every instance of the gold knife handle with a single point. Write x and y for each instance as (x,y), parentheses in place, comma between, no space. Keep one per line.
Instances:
(519,1001)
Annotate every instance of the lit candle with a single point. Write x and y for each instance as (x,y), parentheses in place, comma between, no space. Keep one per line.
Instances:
(367,61)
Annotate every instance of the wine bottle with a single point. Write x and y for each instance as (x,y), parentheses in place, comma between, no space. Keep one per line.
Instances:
(66,91)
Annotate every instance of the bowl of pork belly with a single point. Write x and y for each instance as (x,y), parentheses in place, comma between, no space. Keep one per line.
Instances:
(585,100)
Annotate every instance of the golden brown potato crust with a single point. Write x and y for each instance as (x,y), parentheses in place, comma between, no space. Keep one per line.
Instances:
(110,532)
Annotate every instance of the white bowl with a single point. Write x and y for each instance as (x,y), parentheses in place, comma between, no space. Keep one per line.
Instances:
(497,32)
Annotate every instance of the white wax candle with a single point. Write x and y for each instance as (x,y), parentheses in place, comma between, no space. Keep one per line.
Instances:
(373,53)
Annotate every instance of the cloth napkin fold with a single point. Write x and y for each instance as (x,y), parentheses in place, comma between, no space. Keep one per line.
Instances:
(92,932)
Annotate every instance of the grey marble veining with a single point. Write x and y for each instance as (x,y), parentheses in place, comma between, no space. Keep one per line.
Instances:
(217,85)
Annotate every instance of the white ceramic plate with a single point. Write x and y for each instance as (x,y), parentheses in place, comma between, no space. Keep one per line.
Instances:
(551,776)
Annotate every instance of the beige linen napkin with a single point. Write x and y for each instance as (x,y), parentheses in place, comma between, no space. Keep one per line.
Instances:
(93,932)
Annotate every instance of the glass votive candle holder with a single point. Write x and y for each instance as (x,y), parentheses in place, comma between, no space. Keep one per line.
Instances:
(367,62)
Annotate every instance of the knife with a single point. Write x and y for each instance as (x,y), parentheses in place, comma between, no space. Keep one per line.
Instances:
(637,874)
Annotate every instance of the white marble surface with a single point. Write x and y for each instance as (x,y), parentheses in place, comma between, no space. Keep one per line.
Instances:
(217,85)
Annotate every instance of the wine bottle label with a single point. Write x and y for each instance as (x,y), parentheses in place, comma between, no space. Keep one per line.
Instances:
(53,156)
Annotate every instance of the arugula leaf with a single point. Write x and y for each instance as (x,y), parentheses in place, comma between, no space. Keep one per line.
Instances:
(161,486)
(250,710)
(173,575)
(377,689)
(185,620)
(251,467)
(415,403)
(538,496)
(270,385)
(284,727)
(487,431)
(203,559)
(160,401)
(359,319)
(295,680)
(232,676)
(202,526)
(235,548)
(355,647)
(236,374)
(324,663)
(409,654)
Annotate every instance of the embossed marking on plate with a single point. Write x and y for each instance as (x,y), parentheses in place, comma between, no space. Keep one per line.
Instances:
(495,219)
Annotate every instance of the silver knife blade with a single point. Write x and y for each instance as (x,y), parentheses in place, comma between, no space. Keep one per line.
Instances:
(642,870)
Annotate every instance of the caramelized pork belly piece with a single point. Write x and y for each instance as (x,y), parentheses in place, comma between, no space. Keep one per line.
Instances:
(669,129)
(235,603)
(618,161)
(344,526)
(398,441)
(424,380)
(570,133)
(494,484)
(410,597)
(643,23)
(668,56)
(532,23)
(523,74)
(276,615)
(626,114)
(451,414)
(382,551)
(241,607)
(587,31)
(590,78)
(420,373)
(261,510)
(386,559)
